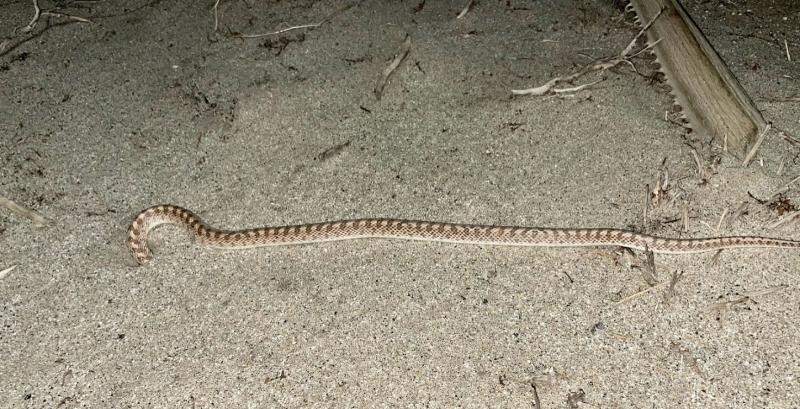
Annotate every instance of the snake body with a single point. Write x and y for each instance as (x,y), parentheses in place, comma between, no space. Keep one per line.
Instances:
(423,230)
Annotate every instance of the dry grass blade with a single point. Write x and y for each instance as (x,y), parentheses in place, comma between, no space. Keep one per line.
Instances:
(466,9)
(540,90)
(215,8)
(536,402)
(702,172)
(276,32)
(577,88)
(37,219)
(752,152)
(641,293)
(6,271)
(398,59)
(38,13)
(786,47)
(721,219)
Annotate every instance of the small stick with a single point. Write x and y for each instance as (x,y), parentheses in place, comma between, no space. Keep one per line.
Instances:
(215,7)
(38,13)
(332,151)
(576,88)
(702,173)
(766,291)
(756,145)
(640,293)
(66,16)
(540,90)
(721,219)
(6,271)
(465,9)
(272,33)
(284,30)
(715,258)
(387,72)
(786,47)
(641,32)
(38,220)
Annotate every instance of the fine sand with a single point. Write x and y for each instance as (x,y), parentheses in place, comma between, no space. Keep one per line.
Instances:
(148,105)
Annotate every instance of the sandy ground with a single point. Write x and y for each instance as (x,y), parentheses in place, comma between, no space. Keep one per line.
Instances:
(148,105)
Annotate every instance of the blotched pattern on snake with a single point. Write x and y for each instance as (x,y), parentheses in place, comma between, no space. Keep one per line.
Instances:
(423,230)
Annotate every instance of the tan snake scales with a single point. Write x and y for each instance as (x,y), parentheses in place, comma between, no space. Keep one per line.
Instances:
(423,230)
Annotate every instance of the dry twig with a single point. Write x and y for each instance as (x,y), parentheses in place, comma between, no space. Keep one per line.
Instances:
(640,293)
(387,72)
(756,145)
(536,402)
(721,219)
(786,47)
(6,271)
(466,9)
(281,31)
(215,8)
(37,219)
(600,65)
(38,13)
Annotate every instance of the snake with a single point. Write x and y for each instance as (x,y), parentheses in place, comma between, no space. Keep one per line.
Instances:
(381,228)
